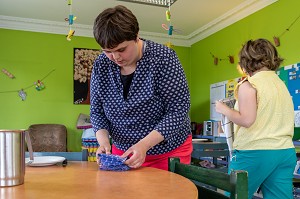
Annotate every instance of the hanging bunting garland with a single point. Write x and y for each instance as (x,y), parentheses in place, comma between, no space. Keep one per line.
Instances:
(39,85)
(277,40)
(230,59)
(216,59)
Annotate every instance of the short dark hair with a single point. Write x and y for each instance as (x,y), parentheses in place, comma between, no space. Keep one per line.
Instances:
(257,54)
(114,26)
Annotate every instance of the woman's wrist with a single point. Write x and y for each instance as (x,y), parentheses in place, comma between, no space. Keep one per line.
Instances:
(102,136)
(152,139)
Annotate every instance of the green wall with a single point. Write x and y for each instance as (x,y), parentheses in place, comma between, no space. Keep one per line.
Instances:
(30,56)
(266,23)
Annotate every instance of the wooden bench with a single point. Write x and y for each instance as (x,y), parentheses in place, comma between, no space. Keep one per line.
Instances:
(235,183)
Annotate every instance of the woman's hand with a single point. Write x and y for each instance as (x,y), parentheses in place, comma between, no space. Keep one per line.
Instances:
(137,152)
(137,155)
(103,149)
(103,140)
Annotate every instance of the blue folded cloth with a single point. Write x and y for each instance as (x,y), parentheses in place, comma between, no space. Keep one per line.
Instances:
(110,162)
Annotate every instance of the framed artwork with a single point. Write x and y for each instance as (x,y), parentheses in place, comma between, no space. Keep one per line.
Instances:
(83,64)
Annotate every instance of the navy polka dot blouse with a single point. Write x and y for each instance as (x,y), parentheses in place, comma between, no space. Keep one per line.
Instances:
(158,99)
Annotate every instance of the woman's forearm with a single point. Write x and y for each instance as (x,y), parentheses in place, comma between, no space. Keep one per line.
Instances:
(102,136)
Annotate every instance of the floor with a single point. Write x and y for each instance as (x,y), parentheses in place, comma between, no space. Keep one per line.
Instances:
(296,194)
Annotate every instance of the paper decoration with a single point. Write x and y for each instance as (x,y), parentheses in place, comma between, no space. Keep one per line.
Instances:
(170,28)
(216,59)
(71,20)
(22,94)
(8,73)
(277,40)
(39,85)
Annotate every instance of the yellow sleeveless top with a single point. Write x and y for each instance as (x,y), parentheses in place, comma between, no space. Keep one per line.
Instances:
(274,124)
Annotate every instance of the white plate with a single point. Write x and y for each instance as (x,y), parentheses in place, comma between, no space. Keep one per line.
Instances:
(199,140)
(42,161)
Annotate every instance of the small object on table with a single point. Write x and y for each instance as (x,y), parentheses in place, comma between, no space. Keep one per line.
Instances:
(65,163)
(110,162)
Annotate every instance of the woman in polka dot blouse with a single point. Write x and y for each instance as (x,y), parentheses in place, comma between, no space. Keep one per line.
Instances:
(139,95)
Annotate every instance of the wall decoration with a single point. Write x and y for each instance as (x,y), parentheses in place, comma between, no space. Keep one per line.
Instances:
(22,94)
(216,59)
(290,75)
(170,28)
(160,3)
(71,20)
(83,65)
(39,85)
(277,39)
(8,73)
(230,58)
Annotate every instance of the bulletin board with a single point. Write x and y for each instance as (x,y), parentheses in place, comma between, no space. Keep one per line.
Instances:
(290,75)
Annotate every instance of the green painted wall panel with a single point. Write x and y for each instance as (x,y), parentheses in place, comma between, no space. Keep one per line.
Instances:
(30,56)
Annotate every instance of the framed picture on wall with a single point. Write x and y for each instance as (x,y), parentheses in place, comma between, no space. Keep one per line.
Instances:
(83,65)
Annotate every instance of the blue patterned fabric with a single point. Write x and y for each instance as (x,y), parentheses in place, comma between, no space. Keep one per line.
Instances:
(111,162)
(158,99)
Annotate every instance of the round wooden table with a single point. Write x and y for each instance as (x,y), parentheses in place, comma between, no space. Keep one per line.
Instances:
(84,180)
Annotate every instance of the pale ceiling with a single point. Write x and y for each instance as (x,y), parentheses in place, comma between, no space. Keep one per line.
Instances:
(196,19)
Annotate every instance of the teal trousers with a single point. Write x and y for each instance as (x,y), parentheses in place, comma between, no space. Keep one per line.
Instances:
(271,170)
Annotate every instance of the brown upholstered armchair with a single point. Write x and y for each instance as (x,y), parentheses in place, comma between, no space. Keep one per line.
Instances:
(48,137)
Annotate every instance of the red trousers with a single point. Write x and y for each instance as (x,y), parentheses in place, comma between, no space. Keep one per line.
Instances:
(183,152)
